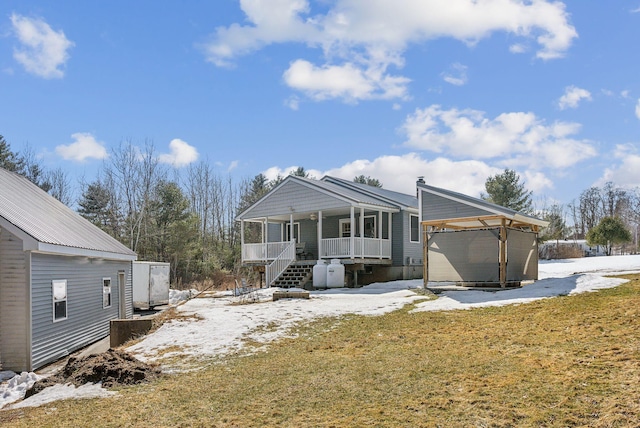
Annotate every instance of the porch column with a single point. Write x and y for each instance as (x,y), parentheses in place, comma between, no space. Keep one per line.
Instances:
(379,233)
(319,235)
(265,230)
(361,232)
(291,234)
(242,238)
(352,241)
(390,216)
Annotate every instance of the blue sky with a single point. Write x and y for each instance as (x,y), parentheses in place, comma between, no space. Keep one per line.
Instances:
(452,90)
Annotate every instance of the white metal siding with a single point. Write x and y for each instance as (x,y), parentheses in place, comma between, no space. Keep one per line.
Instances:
(87,321)
(14,347)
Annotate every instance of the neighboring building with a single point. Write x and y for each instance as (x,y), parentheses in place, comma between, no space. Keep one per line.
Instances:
(474,242)
(563,248)
(374,232)
(62,279)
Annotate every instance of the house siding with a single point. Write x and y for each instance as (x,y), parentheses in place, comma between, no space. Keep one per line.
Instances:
(297,197)
(87,321)
(436,207)
(14,304)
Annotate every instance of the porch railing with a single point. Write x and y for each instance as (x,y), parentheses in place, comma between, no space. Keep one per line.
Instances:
(262,252)
(280,263)
(362,247)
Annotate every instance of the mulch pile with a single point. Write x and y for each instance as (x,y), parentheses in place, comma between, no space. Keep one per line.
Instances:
(112,368)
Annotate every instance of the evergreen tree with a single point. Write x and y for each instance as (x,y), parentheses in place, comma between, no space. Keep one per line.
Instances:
(506,190)
(8,159)
(610,231)
(367,180)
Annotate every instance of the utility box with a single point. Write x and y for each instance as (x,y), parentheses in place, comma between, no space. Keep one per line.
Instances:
(150,284)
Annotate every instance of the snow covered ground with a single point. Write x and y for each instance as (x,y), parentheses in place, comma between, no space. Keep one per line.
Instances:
(221,326)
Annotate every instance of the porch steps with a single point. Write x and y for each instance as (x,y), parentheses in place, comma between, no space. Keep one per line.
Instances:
(294,276)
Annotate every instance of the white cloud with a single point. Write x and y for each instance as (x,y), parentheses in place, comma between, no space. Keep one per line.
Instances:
(515,139)
(84,147)
(638,109)
(457,75)
(361,40)
(572,97)
(517,48)
(348,82)
(627,172)
(42,51)
(400,173)
(233,165)
(182,154)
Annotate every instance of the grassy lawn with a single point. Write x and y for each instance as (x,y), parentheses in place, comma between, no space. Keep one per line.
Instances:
(566,361)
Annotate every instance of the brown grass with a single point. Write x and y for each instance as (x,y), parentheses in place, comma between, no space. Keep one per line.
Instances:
(567,361)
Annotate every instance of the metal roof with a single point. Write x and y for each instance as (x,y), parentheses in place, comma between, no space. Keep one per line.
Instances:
(396,198)
(351,196)
(49,225)
(493,209)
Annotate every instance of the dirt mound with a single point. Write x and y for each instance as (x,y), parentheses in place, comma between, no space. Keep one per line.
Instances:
(112,368)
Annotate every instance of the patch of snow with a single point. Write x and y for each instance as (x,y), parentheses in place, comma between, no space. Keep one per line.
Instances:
(16,387)
(64,392)
(177,296)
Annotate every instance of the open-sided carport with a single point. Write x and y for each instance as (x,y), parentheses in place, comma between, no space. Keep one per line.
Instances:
(474,242)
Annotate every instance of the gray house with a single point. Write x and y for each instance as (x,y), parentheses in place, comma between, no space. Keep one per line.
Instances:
(474,242)
(62,279)
(374,232)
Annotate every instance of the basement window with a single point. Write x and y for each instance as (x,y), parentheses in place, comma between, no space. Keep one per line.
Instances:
(106,292)
(59,288)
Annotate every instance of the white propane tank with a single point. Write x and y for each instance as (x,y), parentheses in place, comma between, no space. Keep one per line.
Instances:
(335,274)
(320,274)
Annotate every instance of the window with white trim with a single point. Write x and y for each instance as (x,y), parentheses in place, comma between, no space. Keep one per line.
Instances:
(287,232)
(59,291)
(414,227)
(106,292)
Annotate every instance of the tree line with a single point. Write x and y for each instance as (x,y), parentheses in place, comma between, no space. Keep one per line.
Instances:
(187,217)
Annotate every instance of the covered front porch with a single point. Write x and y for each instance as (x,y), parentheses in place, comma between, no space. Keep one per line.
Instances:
(331,234)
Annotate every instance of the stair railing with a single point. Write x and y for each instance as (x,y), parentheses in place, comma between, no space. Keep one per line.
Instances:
(280,263)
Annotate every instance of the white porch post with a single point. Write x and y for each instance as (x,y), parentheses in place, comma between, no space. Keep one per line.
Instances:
(361,232)
(319,235)
(291,234)
(242,238)
(390,216)
(352,241)
(379,233)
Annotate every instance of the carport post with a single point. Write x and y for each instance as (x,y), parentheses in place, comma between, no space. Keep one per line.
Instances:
(503,254)
(425,255)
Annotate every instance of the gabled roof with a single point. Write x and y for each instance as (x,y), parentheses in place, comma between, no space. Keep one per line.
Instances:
(492,214)
(401,200)
(47,225)
(344,196)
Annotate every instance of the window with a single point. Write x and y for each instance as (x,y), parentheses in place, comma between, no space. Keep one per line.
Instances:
(345,228)
(106,292)
(370,226)
(415,228)
(59,288)
(296,232)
